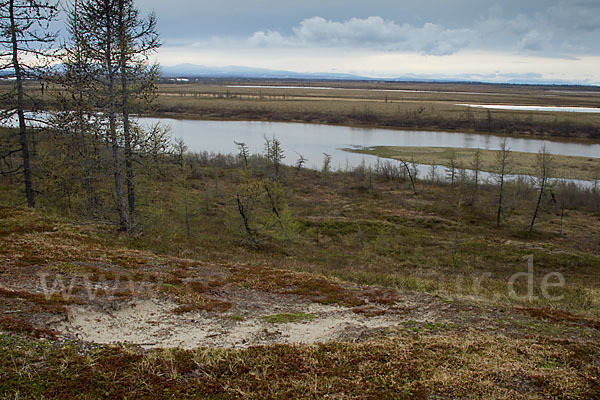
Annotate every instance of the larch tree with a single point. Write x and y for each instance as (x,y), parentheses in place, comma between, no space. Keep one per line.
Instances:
(98,35)
(411,175)
(503,161)
(544,167)
(26,51)
(76,118)
(476,163)
(137,41)
(452,167)
(120,43)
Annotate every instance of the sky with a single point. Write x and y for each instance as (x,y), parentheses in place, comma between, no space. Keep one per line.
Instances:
(494,40)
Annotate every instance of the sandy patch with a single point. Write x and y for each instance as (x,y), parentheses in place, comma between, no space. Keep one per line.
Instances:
(152,323)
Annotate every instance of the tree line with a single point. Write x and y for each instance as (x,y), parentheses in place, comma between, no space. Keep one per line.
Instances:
(102,73)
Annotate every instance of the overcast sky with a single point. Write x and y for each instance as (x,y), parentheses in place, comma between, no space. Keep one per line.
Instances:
(492,40)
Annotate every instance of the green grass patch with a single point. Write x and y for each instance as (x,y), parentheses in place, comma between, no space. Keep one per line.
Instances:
(286,318)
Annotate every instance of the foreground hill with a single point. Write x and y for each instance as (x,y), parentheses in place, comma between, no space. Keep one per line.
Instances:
(243,331)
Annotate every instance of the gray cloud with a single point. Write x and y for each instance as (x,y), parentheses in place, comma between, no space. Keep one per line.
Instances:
(494,38)
(579,16)
(372,32)
(564,29)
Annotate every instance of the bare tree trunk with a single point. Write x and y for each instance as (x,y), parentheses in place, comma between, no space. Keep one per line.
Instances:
(500,195)
(476,167)
(125,113)
(273,202)
(249,231)
(29,191)
(128,150)
(451,171)
(544,165)
(410,176)
(537,206)
(503,159)
(123,220)
(562,216)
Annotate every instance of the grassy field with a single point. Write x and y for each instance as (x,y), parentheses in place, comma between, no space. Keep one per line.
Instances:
(563,167)
(379,91)
(411,106)
(431,106)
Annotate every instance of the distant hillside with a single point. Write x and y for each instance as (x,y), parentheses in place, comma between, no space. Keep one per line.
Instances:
(201,71)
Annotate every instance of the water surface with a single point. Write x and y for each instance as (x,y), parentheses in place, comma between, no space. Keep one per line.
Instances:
(362,89)
(312,140)
(534,108)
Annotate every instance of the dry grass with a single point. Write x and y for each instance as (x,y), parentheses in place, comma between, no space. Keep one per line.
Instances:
(397,105)
(466,365)
(440,92)
(429,107)
(472,360)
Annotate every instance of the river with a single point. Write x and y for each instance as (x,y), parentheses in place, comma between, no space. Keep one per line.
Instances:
(312,140)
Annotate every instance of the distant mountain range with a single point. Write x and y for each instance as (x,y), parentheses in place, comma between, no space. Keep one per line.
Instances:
(191,71)
(200,71)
